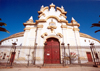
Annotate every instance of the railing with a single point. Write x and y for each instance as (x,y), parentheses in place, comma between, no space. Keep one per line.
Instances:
(31,56)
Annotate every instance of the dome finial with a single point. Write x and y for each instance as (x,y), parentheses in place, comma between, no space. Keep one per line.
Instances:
(73,18)
(42,6)
(52,4)
(62,7)
(31,18)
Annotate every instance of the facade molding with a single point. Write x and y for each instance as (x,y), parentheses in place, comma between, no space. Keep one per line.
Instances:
(40,20)
(45,34)
(29,22)
(59,34)
(44,20)
(28,28)
(70,24)
(53,36)
(39,26)
(43,9)
(63,16)
(63,26)
(42,14)
(52,28)
(53,17)
(76,29)
(63,12)
(39,12)
(65,21)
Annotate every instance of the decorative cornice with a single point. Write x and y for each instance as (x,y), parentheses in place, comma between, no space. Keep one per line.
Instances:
(63,12)
(45,34)
(70,24)
(52,28)
(76,29)
(29,22)
(42,36)
(41,15)
(63,16)
(53,17)
(40,20)
(59,34)
(63,26)
(87,36)
(45,8)
(74,22)
(39,26)
(77,24)
(42,10)
(44,20)
(39,12)
(28,28)
(64,21)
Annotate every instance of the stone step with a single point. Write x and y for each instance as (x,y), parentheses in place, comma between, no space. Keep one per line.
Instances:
(53,64)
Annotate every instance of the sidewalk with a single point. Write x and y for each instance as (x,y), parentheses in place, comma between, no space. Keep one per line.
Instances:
(31,67)
(53,69)
(14,65)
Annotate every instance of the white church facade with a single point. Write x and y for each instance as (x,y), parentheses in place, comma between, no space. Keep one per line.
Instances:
(49,39)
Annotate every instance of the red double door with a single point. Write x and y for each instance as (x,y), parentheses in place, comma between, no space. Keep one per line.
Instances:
(52,51)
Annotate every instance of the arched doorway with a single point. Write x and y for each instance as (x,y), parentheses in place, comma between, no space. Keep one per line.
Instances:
(52,51)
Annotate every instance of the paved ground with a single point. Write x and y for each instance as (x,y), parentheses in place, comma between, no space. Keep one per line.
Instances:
(71,67)
(79,68)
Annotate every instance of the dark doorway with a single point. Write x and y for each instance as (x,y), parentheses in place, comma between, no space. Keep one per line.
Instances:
(12,56)
(89,56)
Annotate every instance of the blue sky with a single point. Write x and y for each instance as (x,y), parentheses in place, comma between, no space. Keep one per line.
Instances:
(15,12)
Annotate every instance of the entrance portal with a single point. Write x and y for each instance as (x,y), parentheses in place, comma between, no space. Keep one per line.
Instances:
(52,51)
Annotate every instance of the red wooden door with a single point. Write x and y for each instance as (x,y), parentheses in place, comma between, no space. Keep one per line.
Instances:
(89,56)
(52,52)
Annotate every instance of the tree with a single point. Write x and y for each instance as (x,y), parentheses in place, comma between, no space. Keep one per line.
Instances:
(96,25)
(3,29)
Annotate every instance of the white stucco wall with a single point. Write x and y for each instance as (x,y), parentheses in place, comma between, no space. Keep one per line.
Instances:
(18,40)
(88,41)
